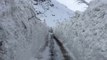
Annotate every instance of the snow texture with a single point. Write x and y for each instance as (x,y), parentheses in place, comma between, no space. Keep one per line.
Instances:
(85,35)
(22,35)
(51,11)
(52,50)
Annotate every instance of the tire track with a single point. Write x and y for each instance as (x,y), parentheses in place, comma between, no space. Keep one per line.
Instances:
(55,50)
(62,48)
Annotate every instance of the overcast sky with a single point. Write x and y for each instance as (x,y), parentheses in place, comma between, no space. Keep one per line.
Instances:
(74,5)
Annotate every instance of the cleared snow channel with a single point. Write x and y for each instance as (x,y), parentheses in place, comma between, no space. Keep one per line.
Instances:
(46,54)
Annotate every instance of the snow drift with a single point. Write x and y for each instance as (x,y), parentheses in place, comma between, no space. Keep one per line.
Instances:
(22,35)
(85,35)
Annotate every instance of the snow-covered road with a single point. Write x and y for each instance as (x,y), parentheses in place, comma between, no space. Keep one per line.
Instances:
(54,50)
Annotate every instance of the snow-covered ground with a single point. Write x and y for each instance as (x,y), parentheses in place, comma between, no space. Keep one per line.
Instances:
(45,55)
(52,11)
(52,50)
(23,36)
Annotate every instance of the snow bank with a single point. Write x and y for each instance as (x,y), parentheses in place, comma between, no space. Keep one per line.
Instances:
(22,35)
(86,34)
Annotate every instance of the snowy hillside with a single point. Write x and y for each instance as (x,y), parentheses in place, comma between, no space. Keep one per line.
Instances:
(22,35)
(86,34)
(51,11)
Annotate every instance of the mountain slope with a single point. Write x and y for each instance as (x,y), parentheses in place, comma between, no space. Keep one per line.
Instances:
(51,11)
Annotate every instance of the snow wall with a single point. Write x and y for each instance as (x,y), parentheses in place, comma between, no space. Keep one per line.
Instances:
(22,35)
(85,35)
